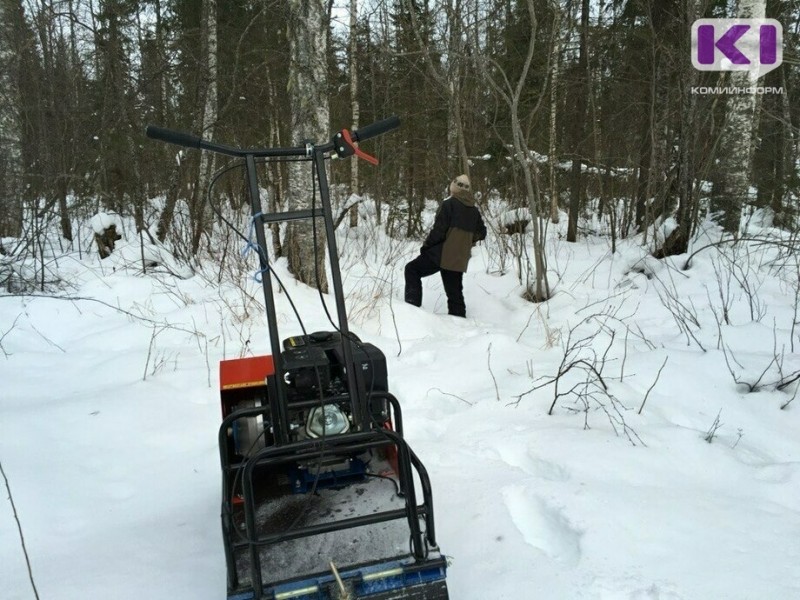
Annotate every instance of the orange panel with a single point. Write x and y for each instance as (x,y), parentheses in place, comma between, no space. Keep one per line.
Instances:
(245,372)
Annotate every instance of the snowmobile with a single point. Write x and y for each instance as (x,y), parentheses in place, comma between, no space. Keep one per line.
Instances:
(322,497)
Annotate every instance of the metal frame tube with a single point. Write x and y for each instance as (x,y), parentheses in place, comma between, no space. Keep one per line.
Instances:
(277,393)
(354,385)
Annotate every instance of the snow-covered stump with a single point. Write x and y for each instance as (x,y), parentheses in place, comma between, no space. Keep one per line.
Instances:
(515,221)
(105,226)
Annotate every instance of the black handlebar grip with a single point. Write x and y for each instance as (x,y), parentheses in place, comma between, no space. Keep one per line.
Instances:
(173,137)
(377,128)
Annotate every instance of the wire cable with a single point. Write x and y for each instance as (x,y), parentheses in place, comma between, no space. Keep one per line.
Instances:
(263,255)
(270,271)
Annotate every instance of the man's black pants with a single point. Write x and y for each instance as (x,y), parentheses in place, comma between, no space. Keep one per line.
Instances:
(422,266)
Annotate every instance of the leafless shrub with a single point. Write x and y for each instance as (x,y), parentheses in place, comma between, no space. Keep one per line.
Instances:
(774,376)
(684,313)
(499,246)
(158,359)
(789,246)
(723,280)
(740,268)
(739,436)
(715,426)
(581,375)
(31,261)
(372,264)
(231,266)
(5,333)
(790,278)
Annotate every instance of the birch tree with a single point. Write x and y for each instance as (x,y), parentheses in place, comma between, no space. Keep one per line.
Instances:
(208,118)
(737,143)
(310,121)
(353,66)
(555,60)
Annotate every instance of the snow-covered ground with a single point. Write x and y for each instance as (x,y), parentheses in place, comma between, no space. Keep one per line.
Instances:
(109,412)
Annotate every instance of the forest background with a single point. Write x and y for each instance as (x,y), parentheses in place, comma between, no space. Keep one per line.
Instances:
(592,108)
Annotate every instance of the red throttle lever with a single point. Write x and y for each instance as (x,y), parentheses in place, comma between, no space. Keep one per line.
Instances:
(345,146)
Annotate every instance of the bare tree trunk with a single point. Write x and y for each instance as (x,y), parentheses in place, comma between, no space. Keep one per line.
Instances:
(10,134)
(785,156)
(275,167)
(310,121)
(208,120)
(63,210)
(576,179)
(647,147)
(165,219)
(555,68)
(511,94)
(678,240)
(353,65)
(737,138)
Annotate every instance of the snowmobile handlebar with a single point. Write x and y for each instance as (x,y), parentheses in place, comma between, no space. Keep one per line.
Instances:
(188,140)
(171,136)
(375,129)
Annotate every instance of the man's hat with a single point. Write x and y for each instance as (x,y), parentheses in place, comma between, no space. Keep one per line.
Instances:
(460,187)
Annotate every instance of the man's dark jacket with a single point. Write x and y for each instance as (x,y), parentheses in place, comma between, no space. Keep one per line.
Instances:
(457,227)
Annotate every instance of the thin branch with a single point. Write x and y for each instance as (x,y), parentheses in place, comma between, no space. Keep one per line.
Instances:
(2,337)
(19,529)
(47,339)
(451,395)
(767,241)
(116,308)
(489,364)
(790,400)
(650,389)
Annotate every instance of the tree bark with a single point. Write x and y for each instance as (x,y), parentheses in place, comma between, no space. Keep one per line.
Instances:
(579,129)
(354,108)
(167,215)
(310,122)
(208,121)
(555,68)
(10,130)
(737,139)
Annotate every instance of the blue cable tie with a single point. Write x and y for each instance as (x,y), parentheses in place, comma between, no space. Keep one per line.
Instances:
(250,245)
(257,276)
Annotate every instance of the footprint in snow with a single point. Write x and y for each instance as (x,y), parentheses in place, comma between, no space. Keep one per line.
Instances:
(777,472)
(542,526)
(514,454)
(654,592)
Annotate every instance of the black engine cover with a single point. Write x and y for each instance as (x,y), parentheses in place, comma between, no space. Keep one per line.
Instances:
(308,370)
(324,350)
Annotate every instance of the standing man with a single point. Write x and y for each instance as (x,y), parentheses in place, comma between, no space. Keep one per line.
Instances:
(458,226)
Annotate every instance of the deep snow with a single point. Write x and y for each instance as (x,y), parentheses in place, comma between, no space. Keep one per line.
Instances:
(108,424)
